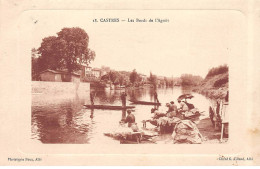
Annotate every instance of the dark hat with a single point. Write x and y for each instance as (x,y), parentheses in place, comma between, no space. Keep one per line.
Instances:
(172,102)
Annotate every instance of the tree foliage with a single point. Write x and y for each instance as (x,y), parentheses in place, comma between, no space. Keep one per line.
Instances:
(68,50)
(112,77)
(35,65)
(217,70)
(134,77)
(190,80)
(153,79)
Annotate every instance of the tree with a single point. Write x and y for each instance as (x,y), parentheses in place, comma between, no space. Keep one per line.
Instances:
(166,81)
(69,50)
(190,80)
(49,54)
(217,70)
(34,61)
(134,77)
(121,80)
(153,79)
(112,77)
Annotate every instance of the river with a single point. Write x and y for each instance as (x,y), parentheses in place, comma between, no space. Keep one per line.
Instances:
(62,119)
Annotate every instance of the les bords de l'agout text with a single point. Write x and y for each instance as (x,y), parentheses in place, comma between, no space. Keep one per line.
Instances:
(132,20)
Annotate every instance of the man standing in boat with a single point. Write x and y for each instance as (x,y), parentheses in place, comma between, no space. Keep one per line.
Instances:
(156,97)
(123,98)
(92,97)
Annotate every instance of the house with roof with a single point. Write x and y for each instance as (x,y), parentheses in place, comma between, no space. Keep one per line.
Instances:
(59,76)
(86,71)
(144,78)
(90,72)
(96,72)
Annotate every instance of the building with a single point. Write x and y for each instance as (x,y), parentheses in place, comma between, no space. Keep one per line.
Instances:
(96,72)
(144,78)
(87,71)
(91,73)
(59,76)
(161,81)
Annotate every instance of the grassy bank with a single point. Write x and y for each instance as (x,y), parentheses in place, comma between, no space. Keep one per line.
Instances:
(215,85)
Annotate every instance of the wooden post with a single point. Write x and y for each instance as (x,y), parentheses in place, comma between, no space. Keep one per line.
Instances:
(222,132)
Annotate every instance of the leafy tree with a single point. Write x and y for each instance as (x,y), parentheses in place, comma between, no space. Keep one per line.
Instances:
(190,80)
(153,79)
(134,77)
(121,80)
(68,50)
(217,70)
(34,61)
(49,54)
(167,82)
(112,77)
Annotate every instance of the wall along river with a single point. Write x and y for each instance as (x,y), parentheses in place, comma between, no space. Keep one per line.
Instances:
(62,118)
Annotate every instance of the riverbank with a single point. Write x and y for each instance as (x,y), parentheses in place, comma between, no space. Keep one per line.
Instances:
(214,87)
(208,131)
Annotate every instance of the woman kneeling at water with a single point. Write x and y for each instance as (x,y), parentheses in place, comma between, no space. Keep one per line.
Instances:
(130,119)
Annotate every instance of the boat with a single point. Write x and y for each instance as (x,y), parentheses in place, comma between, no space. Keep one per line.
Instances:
(89,106)
(144,102)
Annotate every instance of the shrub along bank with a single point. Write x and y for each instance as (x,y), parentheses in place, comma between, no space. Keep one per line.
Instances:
(215,84)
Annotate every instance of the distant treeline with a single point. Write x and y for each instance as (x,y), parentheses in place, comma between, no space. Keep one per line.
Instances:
(217,70)
(190,80)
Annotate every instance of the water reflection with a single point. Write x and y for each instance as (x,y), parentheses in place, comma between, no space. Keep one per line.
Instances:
(92,113)
(123,115)
(62,119)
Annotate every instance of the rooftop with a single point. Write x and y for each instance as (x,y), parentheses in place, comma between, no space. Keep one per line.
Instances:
(96,69)
(59,72)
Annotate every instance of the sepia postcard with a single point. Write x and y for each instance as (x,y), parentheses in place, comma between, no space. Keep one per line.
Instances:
(130,82)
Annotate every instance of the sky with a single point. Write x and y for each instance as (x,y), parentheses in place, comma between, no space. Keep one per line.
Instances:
(191,42)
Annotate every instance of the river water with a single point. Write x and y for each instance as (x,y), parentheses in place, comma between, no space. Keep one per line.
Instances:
(62,118)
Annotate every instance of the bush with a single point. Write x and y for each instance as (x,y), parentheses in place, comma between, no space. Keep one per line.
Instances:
(190,80)
(221,82)
(97,84)
(217,70)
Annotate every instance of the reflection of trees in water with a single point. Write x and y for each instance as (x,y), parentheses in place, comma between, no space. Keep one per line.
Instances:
(112,96)
(106,96)
(49,128)
(151,94)
(91,113)
(123,114)
(186,90)
(136,94)
(56,122)
(132,95)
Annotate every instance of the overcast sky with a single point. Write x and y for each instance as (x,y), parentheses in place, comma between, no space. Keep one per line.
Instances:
(192,42)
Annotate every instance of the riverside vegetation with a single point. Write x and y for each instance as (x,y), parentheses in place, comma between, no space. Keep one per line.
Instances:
(215,84)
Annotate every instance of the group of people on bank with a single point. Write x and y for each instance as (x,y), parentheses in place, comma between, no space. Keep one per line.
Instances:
(174,111)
